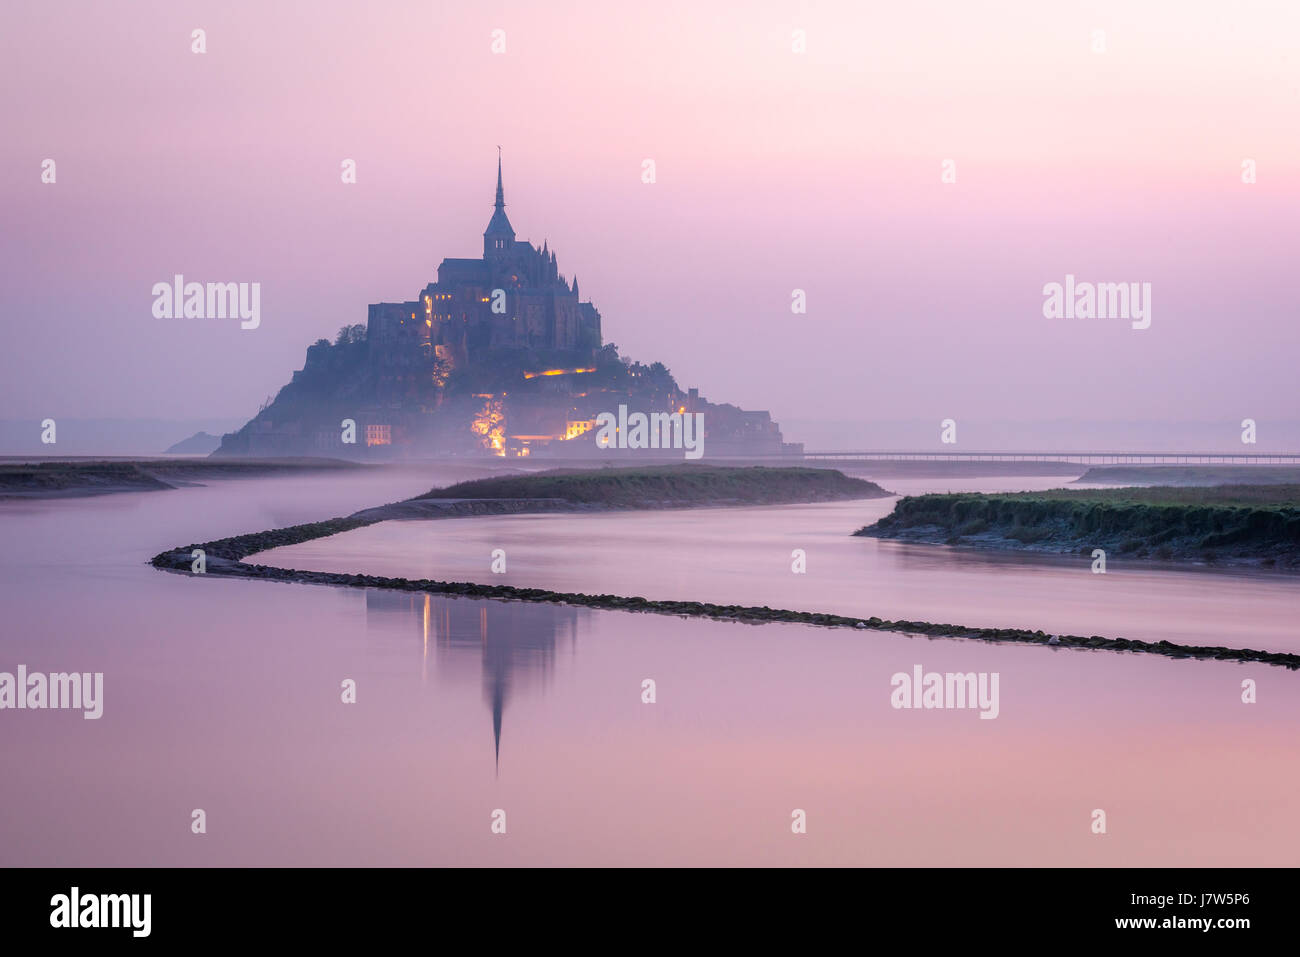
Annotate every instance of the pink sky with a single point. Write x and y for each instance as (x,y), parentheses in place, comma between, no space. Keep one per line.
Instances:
(776,171)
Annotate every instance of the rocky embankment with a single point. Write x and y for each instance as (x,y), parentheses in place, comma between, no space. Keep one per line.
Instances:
(225,557)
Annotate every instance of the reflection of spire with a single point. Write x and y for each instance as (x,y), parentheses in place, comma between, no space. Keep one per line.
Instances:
(498,708)
(499,679)
(505,645)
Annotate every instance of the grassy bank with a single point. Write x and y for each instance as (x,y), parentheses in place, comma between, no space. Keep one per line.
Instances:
(670,485)
(55,479)
(1233,524)
(66,478)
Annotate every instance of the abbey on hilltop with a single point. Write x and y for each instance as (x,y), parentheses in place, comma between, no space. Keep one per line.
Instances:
(500,355)
(512,298)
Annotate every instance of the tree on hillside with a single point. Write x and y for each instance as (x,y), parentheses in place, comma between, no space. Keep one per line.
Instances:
(350,334)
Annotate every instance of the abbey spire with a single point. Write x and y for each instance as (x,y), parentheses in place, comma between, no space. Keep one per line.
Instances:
(499,235)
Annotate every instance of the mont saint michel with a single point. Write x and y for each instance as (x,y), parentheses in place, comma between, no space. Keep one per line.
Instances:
(499,356)
(361,510)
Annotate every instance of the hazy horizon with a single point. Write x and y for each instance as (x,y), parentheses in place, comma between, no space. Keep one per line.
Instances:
(775,171)
(152,436)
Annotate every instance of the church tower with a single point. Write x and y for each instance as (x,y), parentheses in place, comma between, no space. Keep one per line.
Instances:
(499,237)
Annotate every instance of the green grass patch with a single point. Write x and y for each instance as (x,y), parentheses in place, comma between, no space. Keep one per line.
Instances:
(671,485)
(1226,521)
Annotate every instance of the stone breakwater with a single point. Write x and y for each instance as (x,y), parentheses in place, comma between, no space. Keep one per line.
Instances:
(225,556)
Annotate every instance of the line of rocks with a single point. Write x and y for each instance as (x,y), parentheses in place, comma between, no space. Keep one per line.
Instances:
(225,558)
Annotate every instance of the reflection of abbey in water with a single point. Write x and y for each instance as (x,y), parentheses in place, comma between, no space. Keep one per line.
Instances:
(512,644)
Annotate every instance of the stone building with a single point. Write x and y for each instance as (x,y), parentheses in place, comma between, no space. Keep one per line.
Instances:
(499,355)
(514,297)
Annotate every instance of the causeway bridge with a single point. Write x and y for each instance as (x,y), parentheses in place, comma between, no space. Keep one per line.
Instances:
(1079,458)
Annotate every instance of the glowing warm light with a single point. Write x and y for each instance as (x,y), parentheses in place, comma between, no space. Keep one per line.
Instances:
(490,423)
(379,435)
(534,375)
(573,429)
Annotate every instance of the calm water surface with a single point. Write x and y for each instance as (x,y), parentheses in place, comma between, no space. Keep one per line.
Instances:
(743,556)
(224,695)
